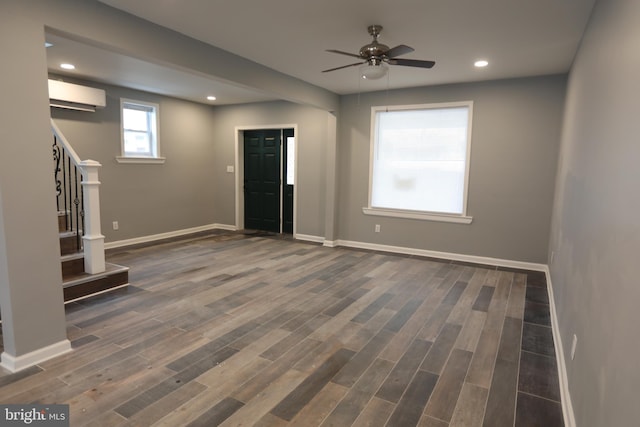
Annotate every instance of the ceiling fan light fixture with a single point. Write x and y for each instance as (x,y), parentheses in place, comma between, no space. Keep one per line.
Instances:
(373,71)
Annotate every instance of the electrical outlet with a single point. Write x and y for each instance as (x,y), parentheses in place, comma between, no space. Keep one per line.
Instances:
(115,225)
(377,229)
(574,343)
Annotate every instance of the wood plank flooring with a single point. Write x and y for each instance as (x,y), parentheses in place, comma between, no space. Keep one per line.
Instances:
(255,330)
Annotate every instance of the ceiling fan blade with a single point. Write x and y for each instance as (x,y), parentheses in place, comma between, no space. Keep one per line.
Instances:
(412,63)
(344,66)
(399,50)
(343,53)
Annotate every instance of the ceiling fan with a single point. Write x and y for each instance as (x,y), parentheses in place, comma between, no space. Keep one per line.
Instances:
(376,54)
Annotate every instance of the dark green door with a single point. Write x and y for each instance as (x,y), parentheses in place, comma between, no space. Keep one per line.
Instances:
(262,180)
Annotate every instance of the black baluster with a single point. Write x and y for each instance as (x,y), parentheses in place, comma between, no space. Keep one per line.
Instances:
(67,214)
(70,193)
(56,170)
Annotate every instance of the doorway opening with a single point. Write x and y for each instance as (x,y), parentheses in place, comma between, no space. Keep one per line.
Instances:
(265,179)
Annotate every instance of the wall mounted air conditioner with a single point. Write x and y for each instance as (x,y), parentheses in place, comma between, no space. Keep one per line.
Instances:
(75,97)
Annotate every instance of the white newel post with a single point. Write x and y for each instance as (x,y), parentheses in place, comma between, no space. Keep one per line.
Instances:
(93,240)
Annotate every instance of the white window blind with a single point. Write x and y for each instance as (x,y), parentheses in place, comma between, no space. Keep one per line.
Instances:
(420,158)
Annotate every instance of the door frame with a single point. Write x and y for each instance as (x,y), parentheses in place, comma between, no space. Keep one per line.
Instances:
(239,172)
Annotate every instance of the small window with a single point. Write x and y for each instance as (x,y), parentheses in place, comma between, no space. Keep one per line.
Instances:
(420,161)
(140,139)
(291,160)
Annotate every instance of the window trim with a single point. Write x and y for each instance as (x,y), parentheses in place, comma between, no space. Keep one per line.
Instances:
(461,218)
(123,157)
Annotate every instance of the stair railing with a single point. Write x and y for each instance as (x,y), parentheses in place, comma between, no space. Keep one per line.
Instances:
(81,208)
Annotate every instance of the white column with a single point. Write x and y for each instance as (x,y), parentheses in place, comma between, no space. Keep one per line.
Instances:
(93,240)
(331,191)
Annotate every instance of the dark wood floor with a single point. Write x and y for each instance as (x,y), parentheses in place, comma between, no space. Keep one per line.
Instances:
(240,330)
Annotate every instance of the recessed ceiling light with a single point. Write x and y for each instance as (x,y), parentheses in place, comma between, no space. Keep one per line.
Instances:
(481,63)
(211,98)
(68,66)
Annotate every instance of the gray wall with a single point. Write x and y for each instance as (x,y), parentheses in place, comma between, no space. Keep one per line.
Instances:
(596,233)
(312,127)
(30,274)
(516,131)
(148,199)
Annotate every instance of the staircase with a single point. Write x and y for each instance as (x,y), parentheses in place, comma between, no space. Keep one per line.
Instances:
(76,283)
(84,270)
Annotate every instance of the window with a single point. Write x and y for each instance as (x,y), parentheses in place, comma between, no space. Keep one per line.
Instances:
(420,161)
(140,141)
(291,160)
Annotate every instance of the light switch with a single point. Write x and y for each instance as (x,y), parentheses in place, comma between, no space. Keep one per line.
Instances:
(230,169)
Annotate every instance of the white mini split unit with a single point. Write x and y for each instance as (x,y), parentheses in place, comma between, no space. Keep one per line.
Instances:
(75,97)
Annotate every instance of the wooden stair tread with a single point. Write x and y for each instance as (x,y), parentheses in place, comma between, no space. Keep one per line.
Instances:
(111,269)
(72,264)
(72,256)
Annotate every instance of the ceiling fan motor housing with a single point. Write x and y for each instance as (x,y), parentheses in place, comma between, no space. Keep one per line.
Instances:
(374,52)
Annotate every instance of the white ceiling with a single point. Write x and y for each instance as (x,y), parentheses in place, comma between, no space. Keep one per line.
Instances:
(518,37)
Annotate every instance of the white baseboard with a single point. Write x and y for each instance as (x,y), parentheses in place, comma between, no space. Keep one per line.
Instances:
(444,255)
(309,238)
(18,363)
(330,243)
(565,395)
(227,227)
(347,243)
(168,235)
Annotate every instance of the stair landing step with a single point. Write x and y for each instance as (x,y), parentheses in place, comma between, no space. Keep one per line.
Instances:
(79,278)
(84,285)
